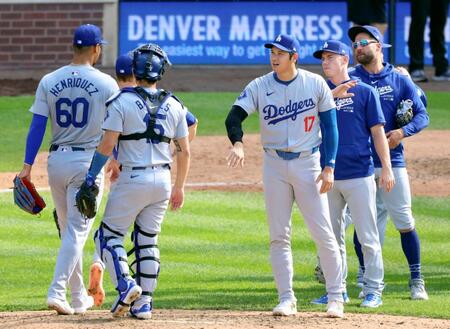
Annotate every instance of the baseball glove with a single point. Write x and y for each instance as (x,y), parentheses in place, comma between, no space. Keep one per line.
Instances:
(86,200)
(404,113)
(26,196)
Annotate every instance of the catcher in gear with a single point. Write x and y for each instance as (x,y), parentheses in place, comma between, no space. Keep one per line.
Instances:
(140,123)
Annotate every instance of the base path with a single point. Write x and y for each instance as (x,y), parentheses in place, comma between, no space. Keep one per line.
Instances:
(178,319)
(427,157)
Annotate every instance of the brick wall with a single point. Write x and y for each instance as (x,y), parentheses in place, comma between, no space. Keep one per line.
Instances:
(40,35)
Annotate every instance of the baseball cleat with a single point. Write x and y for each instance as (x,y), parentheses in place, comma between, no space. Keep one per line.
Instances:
(62,307)
(418,291)
(143,312)
(96,284)
(372,301)
(286,307)
(335,309)
(125,298)
(323,300)
(81,308)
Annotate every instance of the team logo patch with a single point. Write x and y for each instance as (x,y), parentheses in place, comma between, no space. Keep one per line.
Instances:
(384,90)
(243,95)
(274,114)
(343,104)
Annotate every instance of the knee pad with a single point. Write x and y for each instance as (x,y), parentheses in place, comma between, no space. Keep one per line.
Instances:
(146,264)
(109,245)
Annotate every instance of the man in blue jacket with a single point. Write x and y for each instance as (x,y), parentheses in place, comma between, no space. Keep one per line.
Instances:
(393,88)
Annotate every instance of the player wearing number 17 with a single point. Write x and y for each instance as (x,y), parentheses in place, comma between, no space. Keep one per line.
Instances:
(291,104)
(73,98)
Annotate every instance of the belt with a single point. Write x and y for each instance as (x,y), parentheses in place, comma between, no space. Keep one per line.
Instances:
(290,155)
(163,166)
(55,147)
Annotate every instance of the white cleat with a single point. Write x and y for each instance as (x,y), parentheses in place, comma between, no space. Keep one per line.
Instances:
(83,306)
(62,307)
(286,307)
(335,309)
(418,291)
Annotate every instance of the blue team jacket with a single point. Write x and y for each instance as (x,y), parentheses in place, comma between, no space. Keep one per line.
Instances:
(394,88)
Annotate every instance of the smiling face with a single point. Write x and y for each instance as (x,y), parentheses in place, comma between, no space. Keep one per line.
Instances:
(333,64)
(366,52)
(282,61)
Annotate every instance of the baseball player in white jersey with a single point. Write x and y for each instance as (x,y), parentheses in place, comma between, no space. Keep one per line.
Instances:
(142,121)
(73,97)
(354,173)
(125,79)
(291,104)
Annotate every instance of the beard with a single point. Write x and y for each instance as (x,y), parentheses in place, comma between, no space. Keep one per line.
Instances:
(365,59)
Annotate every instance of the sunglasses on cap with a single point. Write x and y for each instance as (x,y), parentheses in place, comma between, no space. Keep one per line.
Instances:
(363,43)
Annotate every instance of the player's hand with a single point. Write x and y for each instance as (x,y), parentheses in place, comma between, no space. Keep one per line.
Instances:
(26,172)
(113,167)
(236,156)
(177,198)
(341,91)
(386,180)
(394,137)
(327,178)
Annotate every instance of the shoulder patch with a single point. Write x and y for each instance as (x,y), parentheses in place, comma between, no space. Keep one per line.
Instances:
(242,95)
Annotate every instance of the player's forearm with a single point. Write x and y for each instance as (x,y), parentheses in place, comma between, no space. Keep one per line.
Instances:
(35,136)
(183,162)
(192,131)
(101,155)
(381,145)
(330,136)
(233,123)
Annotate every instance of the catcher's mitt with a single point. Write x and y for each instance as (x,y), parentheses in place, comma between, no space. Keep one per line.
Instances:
(26,196)
(86,200)
(404,113)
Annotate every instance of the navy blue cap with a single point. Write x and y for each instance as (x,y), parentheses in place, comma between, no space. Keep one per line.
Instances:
(88,35)
(285,42)
(370,30)
(332,46)
(124,65)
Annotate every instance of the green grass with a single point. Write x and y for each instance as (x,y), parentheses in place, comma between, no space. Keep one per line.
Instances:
(210,108)
(214,255)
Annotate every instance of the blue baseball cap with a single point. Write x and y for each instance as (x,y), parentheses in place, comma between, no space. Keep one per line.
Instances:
(332,46)
(285,42)
(370,30)
(88,35)
(124,65)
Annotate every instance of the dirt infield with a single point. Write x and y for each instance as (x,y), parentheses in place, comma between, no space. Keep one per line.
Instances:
(427,165)
(177,319)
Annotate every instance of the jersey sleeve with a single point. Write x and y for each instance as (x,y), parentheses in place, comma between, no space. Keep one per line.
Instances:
(420,118)
(182,127)
(374,111)
(40,105)
(114,117)
(324,96)
(248,99)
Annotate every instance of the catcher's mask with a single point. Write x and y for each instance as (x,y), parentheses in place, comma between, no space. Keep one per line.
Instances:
(149,61)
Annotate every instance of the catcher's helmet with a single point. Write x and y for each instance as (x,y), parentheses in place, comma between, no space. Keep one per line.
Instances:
(149,61)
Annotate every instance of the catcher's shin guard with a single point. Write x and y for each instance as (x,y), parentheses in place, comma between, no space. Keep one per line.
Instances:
(146,264)
(109,244)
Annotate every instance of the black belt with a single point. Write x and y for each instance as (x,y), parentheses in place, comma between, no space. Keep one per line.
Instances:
(164,166)
(55,147)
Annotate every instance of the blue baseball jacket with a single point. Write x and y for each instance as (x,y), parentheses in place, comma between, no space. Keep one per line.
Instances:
(393,88)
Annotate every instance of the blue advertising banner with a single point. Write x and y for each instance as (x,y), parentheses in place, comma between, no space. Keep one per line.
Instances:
(229,33)
(402,22)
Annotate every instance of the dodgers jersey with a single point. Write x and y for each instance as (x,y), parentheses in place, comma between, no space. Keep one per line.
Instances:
(393,88)
(74,97)
(355,116)
(288,111)
(128,114)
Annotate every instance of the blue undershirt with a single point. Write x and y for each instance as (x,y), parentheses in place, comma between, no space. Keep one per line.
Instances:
(35,136)
(330,136)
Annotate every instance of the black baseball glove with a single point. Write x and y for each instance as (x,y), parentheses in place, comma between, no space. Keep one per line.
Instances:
(404,113)
(86,200)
